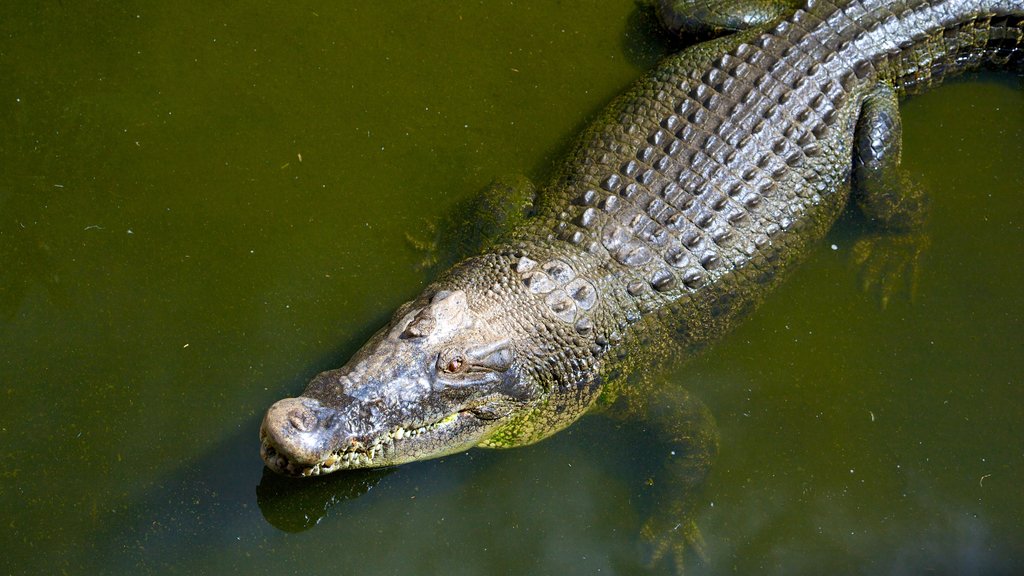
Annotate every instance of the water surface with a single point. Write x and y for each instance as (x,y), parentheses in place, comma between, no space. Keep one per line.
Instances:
(202,206)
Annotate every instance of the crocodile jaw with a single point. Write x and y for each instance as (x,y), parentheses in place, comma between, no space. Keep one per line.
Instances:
(302,437)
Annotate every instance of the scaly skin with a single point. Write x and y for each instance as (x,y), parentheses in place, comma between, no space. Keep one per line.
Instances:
(675,213)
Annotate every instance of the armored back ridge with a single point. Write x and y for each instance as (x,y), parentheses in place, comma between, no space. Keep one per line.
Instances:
(714,172)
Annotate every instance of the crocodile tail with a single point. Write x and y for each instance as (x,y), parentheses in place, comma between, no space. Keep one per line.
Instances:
(917,44)
(989,37)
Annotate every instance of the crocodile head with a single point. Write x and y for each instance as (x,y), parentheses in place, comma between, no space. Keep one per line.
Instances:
(439,379)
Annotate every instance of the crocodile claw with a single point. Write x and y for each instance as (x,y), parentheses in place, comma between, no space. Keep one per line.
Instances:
(890,263)
(429,246)
(673,534)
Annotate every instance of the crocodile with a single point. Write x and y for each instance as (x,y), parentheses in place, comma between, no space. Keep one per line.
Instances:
(676,211)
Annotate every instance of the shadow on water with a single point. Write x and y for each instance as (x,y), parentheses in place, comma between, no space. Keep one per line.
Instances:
(645,40)
(215,503)
(221,499)
(469,513)
(298,504)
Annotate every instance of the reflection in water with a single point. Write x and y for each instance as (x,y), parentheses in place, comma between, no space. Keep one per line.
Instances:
(298,504)
(206,506)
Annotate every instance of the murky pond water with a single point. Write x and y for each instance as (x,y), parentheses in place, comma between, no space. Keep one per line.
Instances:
(201,206)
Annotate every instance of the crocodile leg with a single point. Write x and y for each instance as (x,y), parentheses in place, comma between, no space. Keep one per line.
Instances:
(893,202)
(687,435)
(506,203)
(715,17)
(883,190)
(476,224)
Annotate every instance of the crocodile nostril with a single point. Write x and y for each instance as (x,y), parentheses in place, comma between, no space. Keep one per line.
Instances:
(302,420)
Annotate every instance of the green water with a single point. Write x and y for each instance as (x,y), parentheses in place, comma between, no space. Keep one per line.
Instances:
(204,204)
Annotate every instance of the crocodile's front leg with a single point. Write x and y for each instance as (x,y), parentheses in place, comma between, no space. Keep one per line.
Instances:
(687,440)
(475,224)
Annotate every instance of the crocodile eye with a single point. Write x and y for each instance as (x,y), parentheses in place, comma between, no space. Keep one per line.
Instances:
(452,362)
(455,365)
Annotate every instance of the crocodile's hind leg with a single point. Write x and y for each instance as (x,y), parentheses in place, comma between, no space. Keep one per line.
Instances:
(895,205)
(687,437)
(715,17)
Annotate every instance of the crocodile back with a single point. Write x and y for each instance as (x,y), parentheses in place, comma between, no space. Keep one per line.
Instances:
(700,184)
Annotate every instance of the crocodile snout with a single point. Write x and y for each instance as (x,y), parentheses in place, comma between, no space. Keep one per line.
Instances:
(296,433)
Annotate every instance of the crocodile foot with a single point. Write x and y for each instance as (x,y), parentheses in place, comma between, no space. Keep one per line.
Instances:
(428,246)
(890,263)
(674,536)
(471,225)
